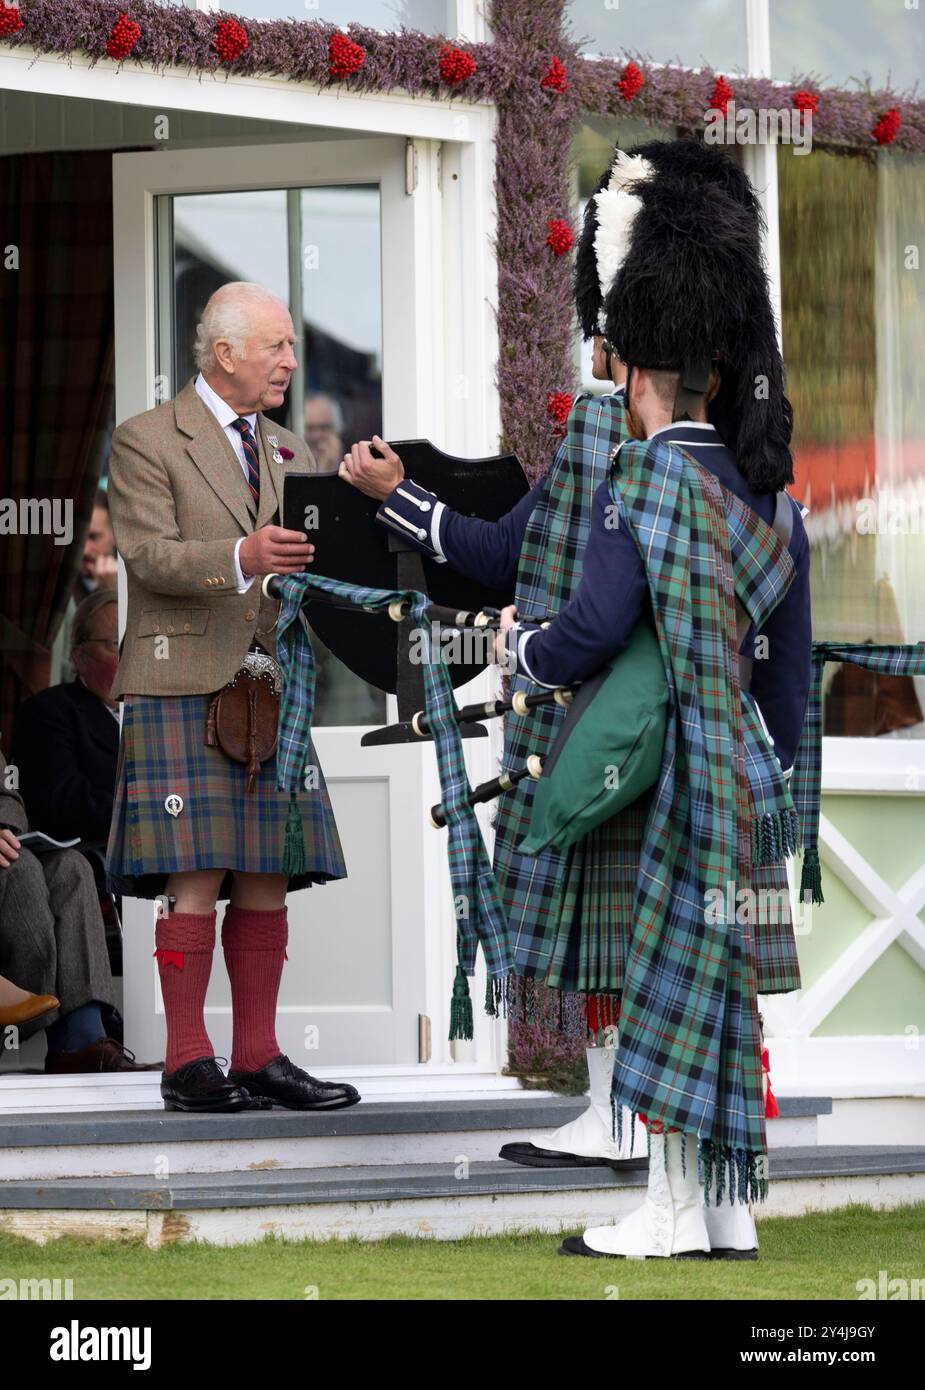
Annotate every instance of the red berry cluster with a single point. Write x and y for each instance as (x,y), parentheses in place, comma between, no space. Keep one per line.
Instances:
(125,34)
(456,65)
(630,82)
(344,56)
(722,93)
(230,40)
(559,405)
(10,19)
(555,79)
(887,128)
(805,101)
(561,237)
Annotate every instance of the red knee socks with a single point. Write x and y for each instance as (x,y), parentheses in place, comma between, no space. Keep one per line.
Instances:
(185,944)
(254,941)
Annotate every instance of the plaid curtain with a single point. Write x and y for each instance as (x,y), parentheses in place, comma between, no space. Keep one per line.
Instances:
(56,390)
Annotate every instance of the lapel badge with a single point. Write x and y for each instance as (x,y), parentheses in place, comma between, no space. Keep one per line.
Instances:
(174,804)
(274,440)
(277,456)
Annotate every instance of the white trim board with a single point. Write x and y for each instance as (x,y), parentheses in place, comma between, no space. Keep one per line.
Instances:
(257,98)
(881,766)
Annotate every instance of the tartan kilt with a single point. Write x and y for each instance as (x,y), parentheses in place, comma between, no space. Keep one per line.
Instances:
(162,751)
(580,907)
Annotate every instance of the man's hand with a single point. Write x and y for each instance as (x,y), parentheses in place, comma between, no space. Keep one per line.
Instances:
(274,550)
(374,476)
(9,848)
(507,620)
(105,571)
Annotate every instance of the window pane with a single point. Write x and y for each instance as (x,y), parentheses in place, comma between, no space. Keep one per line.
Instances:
(693,32)
(839,41)
(342,311)
(218,237)
(853,323)
(427,16)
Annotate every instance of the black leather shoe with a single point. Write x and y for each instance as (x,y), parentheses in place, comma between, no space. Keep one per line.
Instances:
(575,1245)
(286,1084)
(202,1086)
(531,1156)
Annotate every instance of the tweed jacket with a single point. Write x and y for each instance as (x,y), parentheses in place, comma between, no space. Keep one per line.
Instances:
(179,502)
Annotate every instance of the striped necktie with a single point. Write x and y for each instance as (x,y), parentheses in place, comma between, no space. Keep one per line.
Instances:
(251,457)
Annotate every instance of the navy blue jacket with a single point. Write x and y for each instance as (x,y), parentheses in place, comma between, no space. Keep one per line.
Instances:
(593,627)
(66,746)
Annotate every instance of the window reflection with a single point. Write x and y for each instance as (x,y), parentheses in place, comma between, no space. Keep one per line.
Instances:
(427,16)
(844,42)
(853,321)
(693,32)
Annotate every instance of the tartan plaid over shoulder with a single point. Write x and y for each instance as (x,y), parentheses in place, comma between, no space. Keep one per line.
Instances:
(689,1053)
(548,575)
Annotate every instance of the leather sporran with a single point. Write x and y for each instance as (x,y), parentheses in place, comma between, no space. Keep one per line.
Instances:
(243,717)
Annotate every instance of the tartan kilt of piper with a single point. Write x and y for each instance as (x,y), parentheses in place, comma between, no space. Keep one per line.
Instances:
(162,752)
(590,918)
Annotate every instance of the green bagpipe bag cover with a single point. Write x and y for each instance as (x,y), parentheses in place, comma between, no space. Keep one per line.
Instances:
(608,750)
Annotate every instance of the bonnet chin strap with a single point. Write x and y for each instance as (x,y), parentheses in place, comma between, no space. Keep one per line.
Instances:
(693,384)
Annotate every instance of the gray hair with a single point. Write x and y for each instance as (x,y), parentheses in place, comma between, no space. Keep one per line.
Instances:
(336,409)
(228,315)
(83,614)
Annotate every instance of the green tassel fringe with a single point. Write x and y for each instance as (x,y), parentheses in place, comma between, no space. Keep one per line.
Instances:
(740,1172)
(294,843)
(774,836)
(461,1028)
(811,878)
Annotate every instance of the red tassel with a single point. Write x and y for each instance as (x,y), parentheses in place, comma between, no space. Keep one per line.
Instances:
(169,957)
(771,1107)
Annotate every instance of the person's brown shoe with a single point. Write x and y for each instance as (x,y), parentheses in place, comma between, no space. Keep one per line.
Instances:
(11,1015)
(105,1055)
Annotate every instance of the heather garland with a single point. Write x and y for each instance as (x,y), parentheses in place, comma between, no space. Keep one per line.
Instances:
(541,85)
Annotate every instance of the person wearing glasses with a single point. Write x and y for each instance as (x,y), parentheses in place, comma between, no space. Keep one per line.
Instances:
(324,429)
(66,739)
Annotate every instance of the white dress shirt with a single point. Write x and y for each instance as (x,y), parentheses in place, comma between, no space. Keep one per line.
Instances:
(225,415)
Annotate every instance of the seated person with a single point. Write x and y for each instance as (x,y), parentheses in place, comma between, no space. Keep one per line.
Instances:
(21,1005)
(52,940)
(66,740)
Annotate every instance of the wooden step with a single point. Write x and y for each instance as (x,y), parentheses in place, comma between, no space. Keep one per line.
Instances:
(373,1133)
(443,1200)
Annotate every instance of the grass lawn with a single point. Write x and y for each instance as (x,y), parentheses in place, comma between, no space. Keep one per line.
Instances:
(819,1256)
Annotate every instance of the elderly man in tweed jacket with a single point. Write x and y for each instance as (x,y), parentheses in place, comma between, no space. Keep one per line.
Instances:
(196,487)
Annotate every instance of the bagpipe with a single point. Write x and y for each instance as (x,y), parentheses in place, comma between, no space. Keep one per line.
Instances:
(417,729)
(373,600)
(376,645)
(615,720)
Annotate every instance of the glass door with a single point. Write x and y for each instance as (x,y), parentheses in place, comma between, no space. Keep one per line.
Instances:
(331,228)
